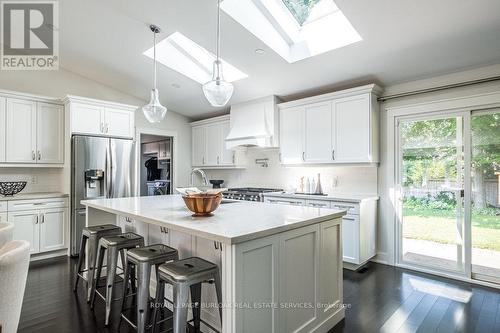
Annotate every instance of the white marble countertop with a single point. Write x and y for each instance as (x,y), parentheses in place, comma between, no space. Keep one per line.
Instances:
(34,195)
(231,223)
(347,197)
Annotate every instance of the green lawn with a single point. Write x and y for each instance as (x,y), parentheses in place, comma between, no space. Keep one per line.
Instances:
(440,226)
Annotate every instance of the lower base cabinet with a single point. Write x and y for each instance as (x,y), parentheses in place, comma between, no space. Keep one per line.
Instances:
(44,229)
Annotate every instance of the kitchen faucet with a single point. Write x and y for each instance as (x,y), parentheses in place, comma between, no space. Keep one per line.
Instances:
(203,176)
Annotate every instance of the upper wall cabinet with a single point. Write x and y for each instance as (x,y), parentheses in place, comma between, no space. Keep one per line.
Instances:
(340,127)
(31,132)
(95,117)
(208,144)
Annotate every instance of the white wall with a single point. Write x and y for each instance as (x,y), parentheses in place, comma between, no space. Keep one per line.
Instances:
(386,227)
(350,179)
(60,83)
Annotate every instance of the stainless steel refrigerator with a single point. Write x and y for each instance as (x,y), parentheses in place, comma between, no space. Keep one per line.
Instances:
(101,168)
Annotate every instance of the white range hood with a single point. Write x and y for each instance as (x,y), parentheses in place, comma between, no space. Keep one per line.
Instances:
(254,124)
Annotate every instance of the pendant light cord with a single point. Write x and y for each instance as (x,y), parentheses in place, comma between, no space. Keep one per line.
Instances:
(218,40)
(154,59)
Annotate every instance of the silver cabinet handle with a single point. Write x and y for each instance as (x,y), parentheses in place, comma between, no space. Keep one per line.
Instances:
(234,158)
(107,127)
(333,154)
(217,159)
(33,156)
(317,205)
(303,156)
(203,160)
(102,127)
(279,157)
(36,222)
(43,218)
(39,155)
(216,245)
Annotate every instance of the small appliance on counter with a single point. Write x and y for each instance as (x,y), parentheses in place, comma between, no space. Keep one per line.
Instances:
(216,183)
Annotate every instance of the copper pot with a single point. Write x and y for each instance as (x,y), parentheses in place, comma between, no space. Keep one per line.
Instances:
(202,204)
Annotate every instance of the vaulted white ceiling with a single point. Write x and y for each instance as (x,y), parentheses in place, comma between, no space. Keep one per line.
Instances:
(402,40)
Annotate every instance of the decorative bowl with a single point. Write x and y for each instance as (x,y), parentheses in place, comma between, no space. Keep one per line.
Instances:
(11,188)
(202,204)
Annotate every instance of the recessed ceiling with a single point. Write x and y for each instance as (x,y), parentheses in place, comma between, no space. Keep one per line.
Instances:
(402,41)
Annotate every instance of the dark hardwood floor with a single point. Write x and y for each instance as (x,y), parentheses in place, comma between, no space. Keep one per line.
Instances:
(382,299)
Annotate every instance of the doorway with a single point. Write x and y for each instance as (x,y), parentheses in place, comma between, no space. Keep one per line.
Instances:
(448,170)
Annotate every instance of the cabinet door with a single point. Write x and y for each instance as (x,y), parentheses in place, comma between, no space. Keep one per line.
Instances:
(182,242)
(119,123)
(52,222)
(3,217)
(350,239)
(199,146)
(156,235)
(21,131)
(352,129)
(50,133)
(318,133)
(227,154)
(87,119)
(3,127)
(26,227)
(214,144)
(292,135)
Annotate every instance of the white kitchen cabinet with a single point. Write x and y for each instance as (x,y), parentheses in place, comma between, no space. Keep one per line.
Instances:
(340,127)
(27,227)
(350,233)
(118,123)
(50,133)
(352,123)
(318,133)
(208,144)
(3,217)
(157,235)
(87,119)
(199,146)
(103,118)
(292,135)
(2,129)
(20,131)
(52,222)
(42,222)
(214,142)
(182,242)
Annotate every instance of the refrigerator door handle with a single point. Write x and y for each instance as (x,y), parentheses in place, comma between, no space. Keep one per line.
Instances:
(108,171)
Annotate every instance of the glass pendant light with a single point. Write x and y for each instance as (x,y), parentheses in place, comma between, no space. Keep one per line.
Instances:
(218,91)
(154,111)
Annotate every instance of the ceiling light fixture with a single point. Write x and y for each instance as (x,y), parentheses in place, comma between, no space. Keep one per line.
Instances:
(218,91)
(154,111)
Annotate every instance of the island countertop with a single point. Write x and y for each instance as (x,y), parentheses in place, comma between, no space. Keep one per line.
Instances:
(231,223)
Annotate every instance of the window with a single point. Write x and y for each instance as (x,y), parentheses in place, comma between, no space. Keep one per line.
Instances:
(184,56)
(295,29)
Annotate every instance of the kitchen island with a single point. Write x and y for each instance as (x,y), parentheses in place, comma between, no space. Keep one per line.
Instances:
(281,266)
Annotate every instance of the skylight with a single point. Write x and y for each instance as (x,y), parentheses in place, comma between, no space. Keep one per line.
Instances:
(295,29)
(184,56)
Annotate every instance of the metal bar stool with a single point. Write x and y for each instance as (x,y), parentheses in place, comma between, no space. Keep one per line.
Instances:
(185,275)
(143,259)
(114,245)
(92,235)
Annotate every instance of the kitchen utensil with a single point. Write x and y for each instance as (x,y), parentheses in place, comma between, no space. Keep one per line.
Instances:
(11,188)
(202,204)
(216,182)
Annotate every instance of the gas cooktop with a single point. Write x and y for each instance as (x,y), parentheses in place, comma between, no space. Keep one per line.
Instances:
(249,193)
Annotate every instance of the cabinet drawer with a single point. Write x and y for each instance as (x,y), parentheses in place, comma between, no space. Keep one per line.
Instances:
(3,206)
(352,209)
(318,203)
(19,205)
(286,201)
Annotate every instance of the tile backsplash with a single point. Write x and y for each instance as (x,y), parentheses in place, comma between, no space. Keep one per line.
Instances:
(334,178)
(39,179)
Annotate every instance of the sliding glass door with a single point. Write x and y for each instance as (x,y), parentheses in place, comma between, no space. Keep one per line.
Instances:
(485,201)
(431,186)
(448,171)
